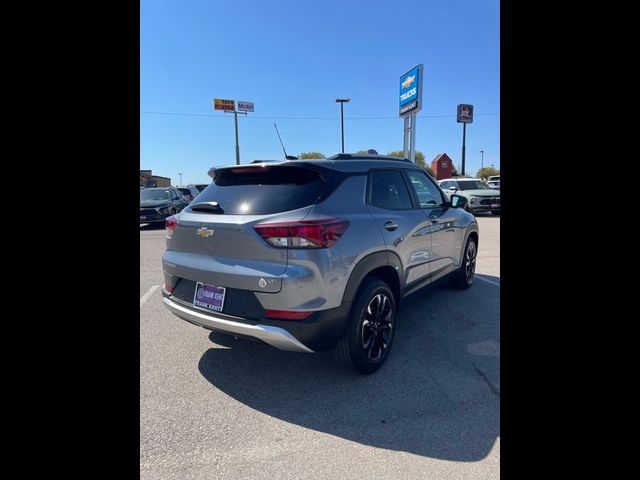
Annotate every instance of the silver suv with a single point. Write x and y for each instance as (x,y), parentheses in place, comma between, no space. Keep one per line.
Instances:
(310,255)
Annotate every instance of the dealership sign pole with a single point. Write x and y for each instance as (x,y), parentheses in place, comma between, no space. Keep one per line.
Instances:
(410,105)
(465,115)
(230,106)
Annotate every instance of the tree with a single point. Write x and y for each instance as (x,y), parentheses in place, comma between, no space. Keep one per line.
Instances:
(306,155)
(487,172)
(419,160)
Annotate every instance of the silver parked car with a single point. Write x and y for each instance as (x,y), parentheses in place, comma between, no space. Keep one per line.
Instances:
(310,255)
(494,182)
(480,197)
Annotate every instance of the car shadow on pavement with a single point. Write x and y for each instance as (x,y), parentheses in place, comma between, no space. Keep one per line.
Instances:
(438,395)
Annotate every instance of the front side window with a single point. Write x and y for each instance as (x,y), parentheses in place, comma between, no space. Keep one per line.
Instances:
(389,190)
(428,194)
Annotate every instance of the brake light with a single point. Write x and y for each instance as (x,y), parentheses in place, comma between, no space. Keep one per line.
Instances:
(287,315)
(168,288)
(322,233)
(171,223)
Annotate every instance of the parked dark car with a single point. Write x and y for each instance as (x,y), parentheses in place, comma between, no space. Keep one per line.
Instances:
(156,204)
(189,192)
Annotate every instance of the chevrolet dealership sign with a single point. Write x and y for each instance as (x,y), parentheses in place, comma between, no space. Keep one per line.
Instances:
(411,91)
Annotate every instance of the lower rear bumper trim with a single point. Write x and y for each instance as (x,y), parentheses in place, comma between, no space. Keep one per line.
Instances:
(274,336)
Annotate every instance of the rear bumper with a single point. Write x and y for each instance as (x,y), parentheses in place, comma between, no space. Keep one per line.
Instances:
(321,331)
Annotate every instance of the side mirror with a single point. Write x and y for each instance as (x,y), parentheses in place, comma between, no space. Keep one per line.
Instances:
(458,201)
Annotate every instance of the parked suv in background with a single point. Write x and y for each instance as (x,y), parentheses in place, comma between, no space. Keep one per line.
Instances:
(156,204)
(189,192)
(310,255)
(494,182)
(480,198)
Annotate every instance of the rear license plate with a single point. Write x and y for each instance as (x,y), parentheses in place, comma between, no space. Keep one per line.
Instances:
(209,296)
(142,217)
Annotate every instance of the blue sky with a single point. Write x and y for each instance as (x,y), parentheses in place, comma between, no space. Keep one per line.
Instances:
(293,59)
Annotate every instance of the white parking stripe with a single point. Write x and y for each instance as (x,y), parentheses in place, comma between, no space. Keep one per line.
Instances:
(488,281)
(146,296)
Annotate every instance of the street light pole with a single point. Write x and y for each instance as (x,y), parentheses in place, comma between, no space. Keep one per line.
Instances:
(342,101)
(180,178)
(482,162)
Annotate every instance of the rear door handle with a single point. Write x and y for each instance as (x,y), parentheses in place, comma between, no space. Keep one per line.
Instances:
(390,225)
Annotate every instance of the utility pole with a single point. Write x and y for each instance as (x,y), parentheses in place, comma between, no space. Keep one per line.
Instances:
(180,178)
(482,162)
(342,101)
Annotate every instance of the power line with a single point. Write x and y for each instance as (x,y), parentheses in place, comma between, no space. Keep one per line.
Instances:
(302,118)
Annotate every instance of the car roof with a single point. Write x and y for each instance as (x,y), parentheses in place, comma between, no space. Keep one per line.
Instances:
(345,162)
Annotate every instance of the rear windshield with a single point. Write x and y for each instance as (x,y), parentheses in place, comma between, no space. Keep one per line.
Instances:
(185,191)
(263,190)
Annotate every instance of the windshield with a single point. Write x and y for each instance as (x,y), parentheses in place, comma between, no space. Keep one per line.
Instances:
(473,185)
(154,194)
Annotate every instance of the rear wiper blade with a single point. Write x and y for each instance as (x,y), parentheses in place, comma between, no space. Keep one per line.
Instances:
(213,207)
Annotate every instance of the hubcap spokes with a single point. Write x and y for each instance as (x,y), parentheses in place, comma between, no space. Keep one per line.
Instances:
(377,326)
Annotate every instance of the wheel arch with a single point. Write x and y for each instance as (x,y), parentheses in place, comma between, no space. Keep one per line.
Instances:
(384,265)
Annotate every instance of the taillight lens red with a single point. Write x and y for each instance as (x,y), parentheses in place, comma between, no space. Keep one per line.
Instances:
(322,233)
(171,223)
(287,315)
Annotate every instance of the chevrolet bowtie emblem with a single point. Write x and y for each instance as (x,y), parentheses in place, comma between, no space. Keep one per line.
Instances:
(204,232)
(408,81)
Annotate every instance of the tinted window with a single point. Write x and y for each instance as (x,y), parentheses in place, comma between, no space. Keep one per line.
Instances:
(472,185)
(201,187)
(155,194)
(428,194)
(263,190)
(388,190)
(185,191)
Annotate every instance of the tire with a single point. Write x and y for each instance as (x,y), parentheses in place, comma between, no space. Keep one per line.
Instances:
(362,348)
(463,278)
(494,212)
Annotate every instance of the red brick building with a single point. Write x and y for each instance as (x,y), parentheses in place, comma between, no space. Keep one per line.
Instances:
(442,166)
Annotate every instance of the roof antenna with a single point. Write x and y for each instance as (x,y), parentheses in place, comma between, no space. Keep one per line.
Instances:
(287,157)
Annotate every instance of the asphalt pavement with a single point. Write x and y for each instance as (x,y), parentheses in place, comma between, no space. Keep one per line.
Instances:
(215,407)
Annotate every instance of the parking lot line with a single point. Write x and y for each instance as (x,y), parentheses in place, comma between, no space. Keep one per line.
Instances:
(146,296)
(488,281)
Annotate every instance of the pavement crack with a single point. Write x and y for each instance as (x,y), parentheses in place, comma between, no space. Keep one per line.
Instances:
(487,381)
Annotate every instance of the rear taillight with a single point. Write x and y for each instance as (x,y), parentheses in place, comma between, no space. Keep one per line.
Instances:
(287,314)
(168,288)
(171,223)
(321,233)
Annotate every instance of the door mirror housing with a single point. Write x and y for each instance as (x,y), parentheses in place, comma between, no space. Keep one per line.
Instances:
(458,201)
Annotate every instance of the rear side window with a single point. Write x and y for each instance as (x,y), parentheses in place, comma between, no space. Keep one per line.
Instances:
(263,190)
(388,190)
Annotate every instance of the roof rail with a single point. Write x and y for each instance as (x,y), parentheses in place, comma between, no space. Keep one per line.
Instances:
(366,156)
